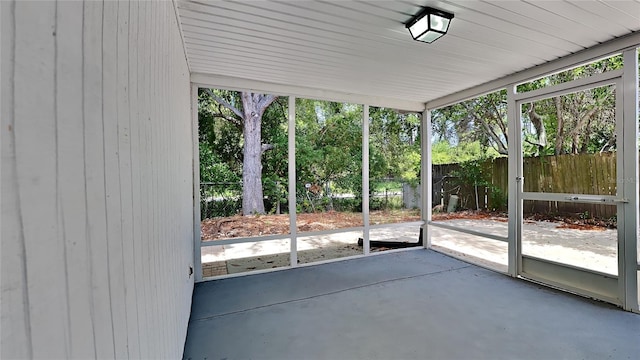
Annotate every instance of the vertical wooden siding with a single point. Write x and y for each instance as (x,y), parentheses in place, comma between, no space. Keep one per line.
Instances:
(96,181)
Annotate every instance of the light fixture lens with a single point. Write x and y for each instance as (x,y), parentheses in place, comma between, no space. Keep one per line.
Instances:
(419,27)
(439,23)
(430,36)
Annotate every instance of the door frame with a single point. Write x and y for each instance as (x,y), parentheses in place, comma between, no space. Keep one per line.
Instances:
(615,289)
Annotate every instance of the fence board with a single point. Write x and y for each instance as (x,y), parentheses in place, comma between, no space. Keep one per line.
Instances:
(593,174)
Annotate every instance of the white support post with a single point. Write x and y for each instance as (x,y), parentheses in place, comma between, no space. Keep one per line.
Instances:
(515,182)
(628,170)
(365,179)
(426,177)
(197,255)
(292,182)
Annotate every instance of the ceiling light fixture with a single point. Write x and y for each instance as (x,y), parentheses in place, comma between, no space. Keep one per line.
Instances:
(429,24)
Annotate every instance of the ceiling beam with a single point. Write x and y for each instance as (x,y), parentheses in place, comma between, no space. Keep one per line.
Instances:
(240,84)
(576,59)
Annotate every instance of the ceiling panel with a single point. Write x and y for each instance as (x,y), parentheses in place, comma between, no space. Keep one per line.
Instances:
(363,47)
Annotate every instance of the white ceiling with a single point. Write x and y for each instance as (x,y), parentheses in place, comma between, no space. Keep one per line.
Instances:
(363,47)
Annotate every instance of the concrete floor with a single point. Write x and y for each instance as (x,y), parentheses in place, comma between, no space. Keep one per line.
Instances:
(415,304)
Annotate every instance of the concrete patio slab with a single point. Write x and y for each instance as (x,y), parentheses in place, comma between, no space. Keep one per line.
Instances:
(591,249)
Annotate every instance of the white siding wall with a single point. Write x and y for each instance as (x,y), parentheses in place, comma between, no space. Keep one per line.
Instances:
(96,181)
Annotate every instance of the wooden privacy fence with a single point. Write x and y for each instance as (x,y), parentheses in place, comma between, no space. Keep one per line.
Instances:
(593,174)
(451,179)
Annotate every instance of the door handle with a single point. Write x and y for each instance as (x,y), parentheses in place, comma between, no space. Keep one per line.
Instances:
(596,199)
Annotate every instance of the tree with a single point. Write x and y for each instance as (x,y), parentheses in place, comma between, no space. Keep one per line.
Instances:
(249,119)
(581,122)
(329,144)
(394,145)
(482,119)
(444,153)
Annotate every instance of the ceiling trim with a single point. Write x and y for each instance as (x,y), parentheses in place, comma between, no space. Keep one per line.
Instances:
(241,84)
(184,45)
(585,56)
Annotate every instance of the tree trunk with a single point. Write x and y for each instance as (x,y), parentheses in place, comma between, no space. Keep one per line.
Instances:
(250,118)
(538,124)
(254,106)
(560,131)
(252,200)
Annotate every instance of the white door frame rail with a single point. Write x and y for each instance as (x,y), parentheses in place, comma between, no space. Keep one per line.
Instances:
(197,230)
(630,263)
(581,280)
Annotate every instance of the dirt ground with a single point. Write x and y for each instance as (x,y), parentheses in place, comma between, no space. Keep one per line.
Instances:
(249,226)
(259,225)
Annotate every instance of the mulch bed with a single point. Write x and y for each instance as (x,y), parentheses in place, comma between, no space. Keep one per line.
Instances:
(260,225)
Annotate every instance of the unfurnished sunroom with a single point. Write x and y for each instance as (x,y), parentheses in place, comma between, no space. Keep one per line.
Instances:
(104,251)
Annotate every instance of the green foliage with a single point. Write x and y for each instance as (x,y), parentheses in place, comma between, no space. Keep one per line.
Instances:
(220,208)
(394,145)
(497,198)
(386,203)
(386,194)
(328,145)
(213,169)
(482,120)
(444,153)
(347,205)
(581,122)
(328,153)
(472,173)
(475,174)
(580,72)
(382,185)
(221,152)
